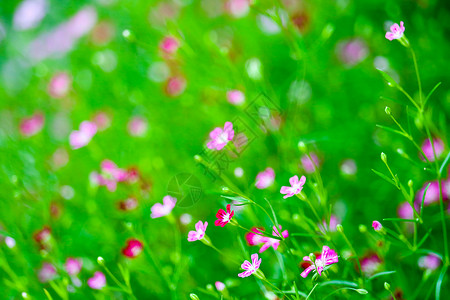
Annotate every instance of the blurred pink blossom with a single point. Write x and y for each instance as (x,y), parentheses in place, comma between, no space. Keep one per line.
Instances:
(265,178)
(295,188)
(102,120)
(98,281)
(73,266)
(219,137)
(255,238)
(235,97)
(428,149)
(175,86)
(332,226)
(308,165)
(110,175)
(31,125)
(82,137)
(370,264)
(137,126)
(405,211)
(220,286)
(161,210)
(237,8)
(199,232)
(250,267)
(396,32)
(46,273)
(352,52)
(59,85)
(128,204)
(169,45)
(29,14)
(430,262)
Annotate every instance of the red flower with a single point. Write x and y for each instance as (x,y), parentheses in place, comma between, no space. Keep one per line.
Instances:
(133,248)
(224,217)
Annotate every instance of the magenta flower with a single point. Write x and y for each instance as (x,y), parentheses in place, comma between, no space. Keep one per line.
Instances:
(430,262)
(432,195)
(223,217)
(235,97)
(377,226)
(32,125)
(133,248)
(265,178)
(169,45)
(295,188)
(326,258)
(161,210)
(199,232)
(255,238)
(73,266)
(427,148)
(137,127)
(219,137)
(396,32)
(82,137)
(310,165)
(250,267)
(405,211)
(110,175)
(46,273)
(98,281)
(59,85)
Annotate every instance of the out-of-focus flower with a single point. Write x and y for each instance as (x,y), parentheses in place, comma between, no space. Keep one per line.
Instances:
(255,238)
(169,45)
(405,211)
(110,175)
(237,8)
(10,242)
(352,52)
(133,248)
(42,237)
(82,137)
(161,210)
(235,97)
(185,219)
(102,120)
(219,137)
(73,266)
(163,12)
(370,264)
(265,178)
(128,204)
(432,195)
(102,33)
(220,286)
(59,85)
(331,226)
(223,217)
(238,172)
(98,281)
(199,232)
(46,273)
(137,126)
(29,14)
(32,125)
(60,158)
(250,267)
(396,32)
(326,258)
(175,86)
(295,188)
(310,165)
(348,167)
(428,149)
(377,226)
(429,262)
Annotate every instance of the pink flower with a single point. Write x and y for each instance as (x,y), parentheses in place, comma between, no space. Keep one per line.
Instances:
(238,8)
(255,238)
(432,195)
(102,120)
(352,52)
(220,286)
(169,45)
(175,86)
(82,137)
(428,149)
(59,85)
(235,97)
(308,165)
(219,137)
(326,258)
(73,266)
(133,248)
(128,204)
(98,281)
(161,210)
(377,226)
(32,125)
(396,32)
(405,211)
(46,273)
(430,262)
(29,14)
(137,127)
(370,264)
(110,175)
(265,178)
(199,232)
(250,267)
(295,188)
(332,226)
(224,217)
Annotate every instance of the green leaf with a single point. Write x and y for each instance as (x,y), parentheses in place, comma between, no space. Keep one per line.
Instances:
(297,292)
(381,274)
(431,93)
(391,130)
(49,297)
(441,169)
(338,282)
(306,234)
(401,220)
(394,100)
(390,81)
(238,198)
(424,238)
(384,177)
(439,282)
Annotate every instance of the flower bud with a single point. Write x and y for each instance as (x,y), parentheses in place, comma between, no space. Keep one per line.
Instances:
(312,257)
(259,274)
(129,35)
(410,183)
(387,110)
(387,286)
(383,157)
(194,296)
(339,228)
(302,147)
(100,261)
(362,228)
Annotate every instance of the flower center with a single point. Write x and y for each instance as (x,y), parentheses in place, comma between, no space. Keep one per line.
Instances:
(223,138)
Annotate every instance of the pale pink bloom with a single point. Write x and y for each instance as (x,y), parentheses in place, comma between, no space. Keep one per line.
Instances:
(432,195)
(235,97)
(161,210)
(405,211)
(348,167)
(59,85)
(175,86)
(73,266)
(430,262)
(46,273)
(82,137)
(250,267)
(169,45)
(332,226)
(308,165)
(377,226)
(223,217)
(295,188)
(238,8)
(29,14)
(32,125)
(133,248)
(428,149)
(102,120)
(220,286)
(352,52)
(265,178)
(110,175)
(185,219)
(137,126)
(98,281)
(370,264)
(199,232)
(219,137)
(326,258)
(396,32)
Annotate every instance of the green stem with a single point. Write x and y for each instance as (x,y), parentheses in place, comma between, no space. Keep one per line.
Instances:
(417,74)
(354,252)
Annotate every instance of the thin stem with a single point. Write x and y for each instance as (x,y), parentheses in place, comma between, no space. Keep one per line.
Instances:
(417,74)
(312,290)
(444,227)
(354,252)
(274,286)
